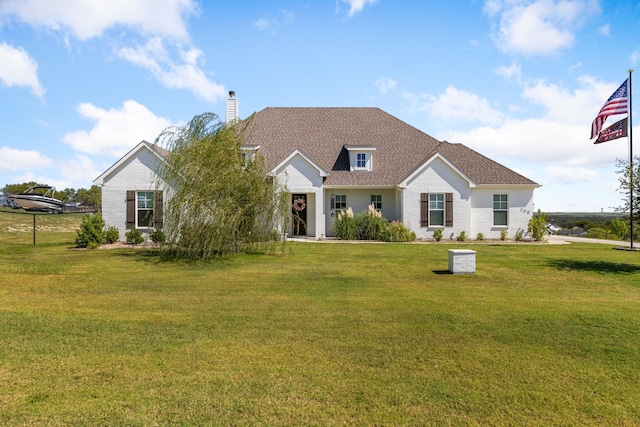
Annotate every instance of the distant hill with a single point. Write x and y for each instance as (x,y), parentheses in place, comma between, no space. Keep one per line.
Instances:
(607,216)
(583,219)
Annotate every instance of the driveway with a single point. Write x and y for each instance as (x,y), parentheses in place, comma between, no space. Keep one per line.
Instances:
(563,240)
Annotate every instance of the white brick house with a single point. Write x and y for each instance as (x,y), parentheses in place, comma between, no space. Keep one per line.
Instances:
(335,158)
(131,195)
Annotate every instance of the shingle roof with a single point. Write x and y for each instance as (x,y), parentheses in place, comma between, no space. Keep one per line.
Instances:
(323,133)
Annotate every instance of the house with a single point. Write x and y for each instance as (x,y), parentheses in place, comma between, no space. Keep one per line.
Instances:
(131,195)
(334,158)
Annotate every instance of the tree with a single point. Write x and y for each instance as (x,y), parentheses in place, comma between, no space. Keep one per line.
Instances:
(68,195)
(626,184)
(18,188)
(619,228)
(91,197)
(219,201)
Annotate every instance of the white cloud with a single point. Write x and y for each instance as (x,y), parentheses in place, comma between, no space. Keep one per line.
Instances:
(184,74)
(59,184)
(605,30)
(575,107)
(455,105)
(385,84)
(635,57)
(116,130)
(570,175)
(19,69)
(14,159)
(79,170)
(538,27)
(513,71)
(272,24)
(557,138)
(356,6)
(263,24)
(89,19)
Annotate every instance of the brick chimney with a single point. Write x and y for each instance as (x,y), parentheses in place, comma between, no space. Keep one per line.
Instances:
(232,108)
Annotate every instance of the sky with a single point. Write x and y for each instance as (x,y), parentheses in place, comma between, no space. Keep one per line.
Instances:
(520,81)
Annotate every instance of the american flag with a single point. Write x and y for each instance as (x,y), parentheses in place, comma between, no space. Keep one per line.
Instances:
(616,104)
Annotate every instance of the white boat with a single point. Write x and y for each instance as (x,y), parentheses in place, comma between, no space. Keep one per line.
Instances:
(38,198)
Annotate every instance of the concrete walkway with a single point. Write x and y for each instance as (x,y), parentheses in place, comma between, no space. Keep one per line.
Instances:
(564,240)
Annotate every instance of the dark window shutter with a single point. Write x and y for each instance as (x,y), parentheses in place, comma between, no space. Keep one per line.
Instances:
(158,210)
(424,209)
(448,209)
(131,209)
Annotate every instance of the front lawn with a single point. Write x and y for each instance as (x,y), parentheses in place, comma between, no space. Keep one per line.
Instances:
(324,334)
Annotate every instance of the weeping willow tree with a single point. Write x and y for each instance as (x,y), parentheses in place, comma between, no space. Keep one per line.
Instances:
(219,199)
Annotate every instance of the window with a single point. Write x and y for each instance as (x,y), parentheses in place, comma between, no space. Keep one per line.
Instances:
(144,209)
(341,202)
(500,209)
(436,209)
(361,160)
(376,201)
(248,154)
(246,158)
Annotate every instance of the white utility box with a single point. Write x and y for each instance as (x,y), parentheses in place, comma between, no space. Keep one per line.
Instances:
(462,261)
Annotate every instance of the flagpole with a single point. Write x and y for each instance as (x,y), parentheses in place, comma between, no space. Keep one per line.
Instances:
(630,162)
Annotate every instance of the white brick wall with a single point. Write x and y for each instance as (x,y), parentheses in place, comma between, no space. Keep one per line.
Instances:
(438,178)
(472,207)
(135,174)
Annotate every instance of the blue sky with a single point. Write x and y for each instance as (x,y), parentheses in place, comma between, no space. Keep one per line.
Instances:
(520,81)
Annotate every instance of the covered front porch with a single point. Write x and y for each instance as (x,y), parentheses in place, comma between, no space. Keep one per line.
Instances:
(387,200)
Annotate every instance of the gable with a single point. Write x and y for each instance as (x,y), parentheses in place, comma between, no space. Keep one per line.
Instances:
(137,166)
(438,166)
(300,171)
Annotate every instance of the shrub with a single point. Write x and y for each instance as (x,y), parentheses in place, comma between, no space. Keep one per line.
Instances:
(504,235)
(111,235)
(480,236)
(90,234)
(437,234)
(598,233)
(158,236)
(397,232)
(519,235)
(134,236)
(346,226)
(537,227)
(371,224)
(462,236)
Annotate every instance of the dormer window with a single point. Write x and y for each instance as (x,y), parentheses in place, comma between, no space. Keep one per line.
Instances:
(248,153)
(360,158)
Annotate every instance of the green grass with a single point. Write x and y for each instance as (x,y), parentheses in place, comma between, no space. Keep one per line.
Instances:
(325,334)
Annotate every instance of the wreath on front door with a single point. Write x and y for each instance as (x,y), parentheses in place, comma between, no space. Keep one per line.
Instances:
(299,204)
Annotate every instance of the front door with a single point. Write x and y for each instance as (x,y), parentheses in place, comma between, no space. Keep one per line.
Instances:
(299,214)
